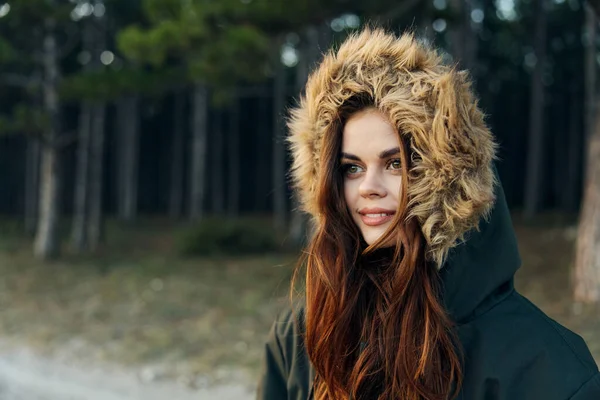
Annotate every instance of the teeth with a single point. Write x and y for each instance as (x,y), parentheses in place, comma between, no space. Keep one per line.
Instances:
(377,215)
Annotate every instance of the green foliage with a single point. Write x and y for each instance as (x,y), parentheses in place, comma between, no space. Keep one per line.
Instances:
(24,119)
(107,84)
(174,31)
(7,52)
(278,17)
(168,38)
(29,120)
(159,10)
(5,126)
(223,42)
(237,53)
(133,43)
(207,38)
(216,236)
(88,85)
(33,13)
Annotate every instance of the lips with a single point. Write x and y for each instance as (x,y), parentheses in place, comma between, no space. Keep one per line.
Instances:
(376,216)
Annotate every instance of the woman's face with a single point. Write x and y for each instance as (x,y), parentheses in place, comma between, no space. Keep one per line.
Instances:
(372,171)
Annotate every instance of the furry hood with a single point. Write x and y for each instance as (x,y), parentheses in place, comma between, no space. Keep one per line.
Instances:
(451,178)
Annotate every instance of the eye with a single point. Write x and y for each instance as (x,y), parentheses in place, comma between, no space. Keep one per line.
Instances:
(351,169)
(395,164)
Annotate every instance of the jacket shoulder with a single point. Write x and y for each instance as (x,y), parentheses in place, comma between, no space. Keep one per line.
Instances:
(289,323)
(590,390)
(527,353)
(286,371)
(573,343)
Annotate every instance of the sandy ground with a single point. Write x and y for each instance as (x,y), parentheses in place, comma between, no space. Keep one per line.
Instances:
(25,375)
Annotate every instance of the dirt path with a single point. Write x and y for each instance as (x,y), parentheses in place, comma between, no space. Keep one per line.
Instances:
(27,376)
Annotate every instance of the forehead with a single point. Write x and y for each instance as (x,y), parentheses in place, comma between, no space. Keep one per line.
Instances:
(369,131)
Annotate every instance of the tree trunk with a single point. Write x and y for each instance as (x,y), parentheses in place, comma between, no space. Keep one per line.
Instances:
(279,149)
(233,158)
(463,41)
(198,156)
(47,242)
(571,191)
(586,268)
(177,156)
(457,31)
(32,166)
(471,32)
(309,56)
(594,6)
(80,204)
(261,182)
(218,186)
(32,183)
(591,23)
(426,21)
(560,156)
(325,38)
(95,222)
(95,228)
(127,176)
(79,238)
(535,154)
(586,271)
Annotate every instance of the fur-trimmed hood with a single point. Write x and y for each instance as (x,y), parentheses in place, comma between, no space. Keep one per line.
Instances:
(451,179)
(511,349)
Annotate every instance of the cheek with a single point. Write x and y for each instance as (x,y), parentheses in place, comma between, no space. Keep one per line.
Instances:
(350,192)
(395,186)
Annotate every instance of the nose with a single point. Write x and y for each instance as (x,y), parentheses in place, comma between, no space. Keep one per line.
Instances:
(372,185)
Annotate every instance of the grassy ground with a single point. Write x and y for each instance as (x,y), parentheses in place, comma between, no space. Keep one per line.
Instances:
(138,303)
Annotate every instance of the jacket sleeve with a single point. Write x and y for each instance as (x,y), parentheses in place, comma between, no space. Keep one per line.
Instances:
(273,379)
(286,372)
(590,390)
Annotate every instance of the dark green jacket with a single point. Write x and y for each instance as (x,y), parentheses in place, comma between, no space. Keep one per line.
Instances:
(512,350)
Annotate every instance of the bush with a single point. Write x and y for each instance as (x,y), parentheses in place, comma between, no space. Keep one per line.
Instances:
(217,236)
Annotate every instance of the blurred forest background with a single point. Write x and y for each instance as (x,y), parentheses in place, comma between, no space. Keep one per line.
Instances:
(146,216)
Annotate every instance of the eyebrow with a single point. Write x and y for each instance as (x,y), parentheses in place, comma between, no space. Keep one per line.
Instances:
(384,154)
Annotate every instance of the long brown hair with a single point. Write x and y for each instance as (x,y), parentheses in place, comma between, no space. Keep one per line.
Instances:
(375,325)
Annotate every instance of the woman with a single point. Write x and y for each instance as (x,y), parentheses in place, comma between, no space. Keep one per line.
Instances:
(409,274)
